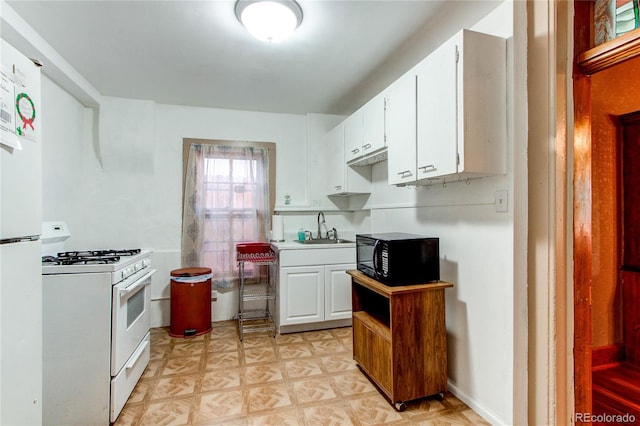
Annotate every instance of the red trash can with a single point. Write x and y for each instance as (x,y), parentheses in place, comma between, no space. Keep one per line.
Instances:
(190,302)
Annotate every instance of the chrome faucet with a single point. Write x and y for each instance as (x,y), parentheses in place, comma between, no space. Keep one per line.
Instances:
(320,230)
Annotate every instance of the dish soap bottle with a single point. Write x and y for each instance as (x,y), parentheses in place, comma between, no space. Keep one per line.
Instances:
(301,234)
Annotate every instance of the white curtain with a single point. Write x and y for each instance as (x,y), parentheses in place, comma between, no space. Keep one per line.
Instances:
(226,201)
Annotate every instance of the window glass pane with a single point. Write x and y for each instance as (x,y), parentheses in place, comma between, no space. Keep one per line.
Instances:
(613,18)
(135,306)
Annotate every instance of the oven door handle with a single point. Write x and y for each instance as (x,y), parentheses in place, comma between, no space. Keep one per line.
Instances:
(136,355)
(140,283)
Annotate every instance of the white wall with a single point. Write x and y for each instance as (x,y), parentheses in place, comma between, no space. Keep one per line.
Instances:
(124,189)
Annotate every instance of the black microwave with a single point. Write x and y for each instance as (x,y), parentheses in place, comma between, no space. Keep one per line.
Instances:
(396,258)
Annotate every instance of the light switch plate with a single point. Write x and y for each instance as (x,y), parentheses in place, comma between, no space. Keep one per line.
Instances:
(502,201)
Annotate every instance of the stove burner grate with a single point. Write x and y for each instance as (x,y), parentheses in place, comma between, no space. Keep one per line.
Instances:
(97,253)
(79,260)
(88,257)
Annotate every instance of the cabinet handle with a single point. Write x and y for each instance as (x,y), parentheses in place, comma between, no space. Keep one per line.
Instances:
(355,151)
(427,168)
(367,146)
(405,173)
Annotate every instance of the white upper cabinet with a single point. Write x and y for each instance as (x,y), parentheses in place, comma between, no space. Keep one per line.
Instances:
(461,108)
(335,160)
(373,125)
(401,130)
(353,136)
(342,179)
(445,119)
(437,109)
(365,133)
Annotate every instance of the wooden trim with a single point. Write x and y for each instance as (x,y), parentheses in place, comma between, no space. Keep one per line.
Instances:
(609,354)
(388,291)
(582,225)
(630,118)
(562,337)
(611,53)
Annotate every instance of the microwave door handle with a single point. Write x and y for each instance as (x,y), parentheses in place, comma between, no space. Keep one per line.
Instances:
(376,253)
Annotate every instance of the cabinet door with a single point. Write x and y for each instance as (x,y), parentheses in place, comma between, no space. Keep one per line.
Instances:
(437,112)
(336,164)
(401,130)
(353,136)
(302,295)
(373,137)
(337,302)
(373,352)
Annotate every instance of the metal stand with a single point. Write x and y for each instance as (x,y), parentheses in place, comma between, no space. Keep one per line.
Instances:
(256,320)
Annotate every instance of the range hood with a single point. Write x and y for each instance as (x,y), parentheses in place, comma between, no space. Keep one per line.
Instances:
(371,158)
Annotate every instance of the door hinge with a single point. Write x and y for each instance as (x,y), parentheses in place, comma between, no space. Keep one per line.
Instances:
(458,159)
(457,54)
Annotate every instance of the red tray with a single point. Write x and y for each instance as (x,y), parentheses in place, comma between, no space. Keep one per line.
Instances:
(254,252)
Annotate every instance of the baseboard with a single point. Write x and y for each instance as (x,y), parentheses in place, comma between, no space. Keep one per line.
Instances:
(480,410)
(284,329)
(608,354)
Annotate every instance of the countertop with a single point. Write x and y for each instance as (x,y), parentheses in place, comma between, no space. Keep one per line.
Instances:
(292,245)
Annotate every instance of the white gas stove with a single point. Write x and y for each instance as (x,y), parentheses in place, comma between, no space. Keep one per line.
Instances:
(96,319)
(121,263)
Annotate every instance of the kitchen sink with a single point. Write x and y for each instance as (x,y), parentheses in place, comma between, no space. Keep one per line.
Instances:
(324,241)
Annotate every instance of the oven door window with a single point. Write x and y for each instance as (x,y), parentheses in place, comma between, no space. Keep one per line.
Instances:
(135,306)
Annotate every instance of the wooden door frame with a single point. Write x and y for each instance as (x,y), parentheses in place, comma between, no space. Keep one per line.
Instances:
(588,60)
(582,225)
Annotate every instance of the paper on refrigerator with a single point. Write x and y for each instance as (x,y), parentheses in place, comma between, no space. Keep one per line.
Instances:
(7,111)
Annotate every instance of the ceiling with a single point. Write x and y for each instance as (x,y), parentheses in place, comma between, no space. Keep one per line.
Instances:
(197,53)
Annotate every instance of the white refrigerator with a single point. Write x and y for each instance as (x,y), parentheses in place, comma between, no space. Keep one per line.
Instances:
(20,228)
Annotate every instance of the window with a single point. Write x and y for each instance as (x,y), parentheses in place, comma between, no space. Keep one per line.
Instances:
(613,18)
(227,200)
(626,16)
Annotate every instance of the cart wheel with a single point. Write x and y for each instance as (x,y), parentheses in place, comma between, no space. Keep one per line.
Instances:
(440,396)
(400,406)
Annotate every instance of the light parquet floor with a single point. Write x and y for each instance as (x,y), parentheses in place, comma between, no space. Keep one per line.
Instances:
(305,378)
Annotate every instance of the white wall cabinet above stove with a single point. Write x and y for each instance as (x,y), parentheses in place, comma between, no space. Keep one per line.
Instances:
(461,108)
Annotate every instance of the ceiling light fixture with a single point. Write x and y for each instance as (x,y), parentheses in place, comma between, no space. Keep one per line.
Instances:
(269,20)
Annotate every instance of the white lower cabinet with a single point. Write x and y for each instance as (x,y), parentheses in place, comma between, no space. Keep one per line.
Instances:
(337,292)
(311,294)
(301,294)
(314,296)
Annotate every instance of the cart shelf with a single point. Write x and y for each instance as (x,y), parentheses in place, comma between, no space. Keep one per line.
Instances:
(260,319)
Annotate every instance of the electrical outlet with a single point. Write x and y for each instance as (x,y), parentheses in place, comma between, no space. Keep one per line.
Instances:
(502,201)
